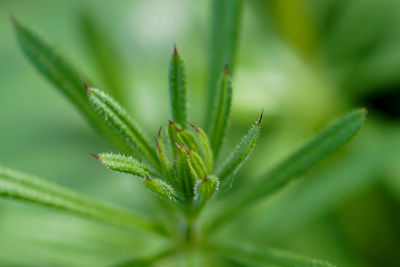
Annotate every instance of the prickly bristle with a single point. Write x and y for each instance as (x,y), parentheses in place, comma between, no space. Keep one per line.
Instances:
(175,50)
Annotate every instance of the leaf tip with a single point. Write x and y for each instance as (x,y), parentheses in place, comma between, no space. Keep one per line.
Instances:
(14,21)
(193,126)
(96,156)
(88,89)
(175,53)
(159,133)
(226,69)
(260,119)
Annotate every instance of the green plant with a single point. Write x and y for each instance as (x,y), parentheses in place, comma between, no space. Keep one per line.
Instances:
(182,167)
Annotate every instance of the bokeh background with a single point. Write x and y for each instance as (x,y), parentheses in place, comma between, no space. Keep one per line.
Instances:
(303,61)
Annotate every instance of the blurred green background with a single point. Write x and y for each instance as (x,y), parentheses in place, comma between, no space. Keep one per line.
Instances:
(302,61)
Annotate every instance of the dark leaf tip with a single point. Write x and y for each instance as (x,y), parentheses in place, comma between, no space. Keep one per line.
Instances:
(159,133)
(186,148)
(14,21)
(175,53)
(96,156)
(86,87)
(261,118)
(226,69)
(177,145)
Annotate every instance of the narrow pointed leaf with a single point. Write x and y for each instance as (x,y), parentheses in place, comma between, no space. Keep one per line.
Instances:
(16,185)
(226,20)
(177,88)
(207,152)
(173,129)
(320,147)
(241,152)
(265,256)
(62,75)
(123,125)
(103,54)
(309,155)
(188,139)
(221,112)
(166,166)
(125,164)
(183,174)
(160,187)
(205,189)
(196,165)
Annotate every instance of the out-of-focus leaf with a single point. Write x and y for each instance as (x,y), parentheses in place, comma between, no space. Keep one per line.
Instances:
(61,74)
(177,89)
(226,19)
(123,125)
(320,147)
(16,185)
(262,256)
(222,112)
(103,54)
(145,261)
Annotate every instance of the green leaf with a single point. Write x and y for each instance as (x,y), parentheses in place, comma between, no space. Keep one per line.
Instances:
(226,17)
(183,173)
(145,261)
(16,185)
(188,139)
(241,152)
(177,89)
(206,147)
(61,74)
(205,189)
(320,147)
(196,165)
(123,125)
(166,166)
(103,54)
(222,112)
(264,256)
(173,129)
(125,164)
(160,187)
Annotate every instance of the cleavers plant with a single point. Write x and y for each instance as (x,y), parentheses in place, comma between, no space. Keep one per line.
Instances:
(182,166)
